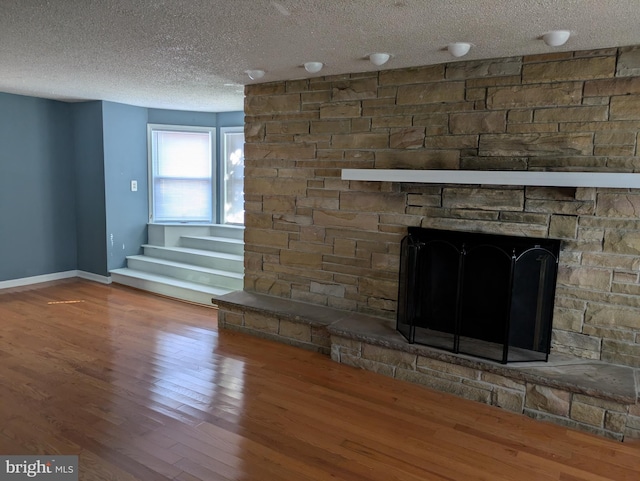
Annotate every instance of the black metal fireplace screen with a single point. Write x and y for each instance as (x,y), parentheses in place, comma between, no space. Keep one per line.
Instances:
(489,296)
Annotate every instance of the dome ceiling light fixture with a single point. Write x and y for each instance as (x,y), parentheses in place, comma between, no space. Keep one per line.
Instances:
(555,38)
(313,67)
(379,58)
(255,74)
(459,49)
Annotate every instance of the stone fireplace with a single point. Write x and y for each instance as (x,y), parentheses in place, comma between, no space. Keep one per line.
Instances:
(313,237)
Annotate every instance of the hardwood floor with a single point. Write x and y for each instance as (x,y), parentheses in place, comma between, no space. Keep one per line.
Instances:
(145,388)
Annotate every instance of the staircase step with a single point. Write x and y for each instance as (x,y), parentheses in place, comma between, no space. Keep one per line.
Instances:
(202,275)
(168,286)
(228,231)
(198,257)
(213,243)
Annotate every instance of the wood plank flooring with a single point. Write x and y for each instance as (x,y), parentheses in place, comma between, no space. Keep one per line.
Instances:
(145,388)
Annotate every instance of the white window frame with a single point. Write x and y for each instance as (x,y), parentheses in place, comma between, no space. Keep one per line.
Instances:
(151,168)
(223,166)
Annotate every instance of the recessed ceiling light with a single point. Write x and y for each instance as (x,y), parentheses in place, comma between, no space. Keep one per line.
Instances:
(379,58)
(555,38)
(313,67)
(459,49)
(255,74)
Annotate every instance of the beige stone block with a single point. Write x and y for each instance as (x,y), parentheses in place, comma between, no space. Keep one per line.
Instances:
(340,110)
(452,142)
(573,69)
(307,260)
(254,131)
(587,277)
(493,163)
(612,87)
(502,381)
(260,322)
(355,220)
(532,128)
(271,104)
(567,319)
(612,316)
(563,226)
(291,127)
(585,413)
(621,347)
(628,63)
(366,364)
(415,75)
(615,422)
(295,330)
(520,116)
(603,403)
(576,340)
(408,138)
(493,81)
(360,125)
(483,199)
(560,207)
(373,202)
(484,68)
(263,237)
(280,186)
(572,114)
(365,88)
(622,242)
(625,107)
(418,159)
(391,122)
(430,93)
(316,97)
(424,200)
(330,126)
(476,94)
(477,122)
(364,140)
(378,288)
(614,150)
(618,205)
(546,94)
(457,370)
(392,357)
(603,332)
(615,138)
(542,144)
(336,290)
(233,318)
(508,399)
(549,400)
(280,151)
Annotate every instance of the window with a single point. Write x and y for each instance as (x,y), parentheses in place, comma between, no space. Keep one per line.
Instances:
(181,174)
(233,174)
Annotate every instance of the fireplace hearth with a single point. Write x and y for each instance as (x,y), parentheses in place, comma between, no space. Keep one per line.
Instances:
(489,296)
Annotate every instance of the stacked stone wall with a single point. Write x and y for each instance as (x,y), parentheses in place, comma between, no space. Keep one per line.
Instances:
(313,237)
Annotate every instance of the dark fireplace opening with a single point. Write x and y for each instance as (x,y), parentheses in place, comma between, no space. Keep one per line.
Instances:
(489,296)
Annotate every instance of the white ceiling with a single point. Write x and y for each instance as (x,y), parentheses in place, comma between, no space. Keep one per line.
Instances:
(192,54)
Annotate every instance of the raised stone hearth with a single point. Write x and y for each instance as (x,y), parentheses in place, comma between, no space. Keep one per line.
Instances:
(593,396)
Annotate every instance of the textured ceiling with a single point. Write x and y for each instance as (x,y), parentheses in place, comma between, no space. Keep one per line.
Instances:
(192,54)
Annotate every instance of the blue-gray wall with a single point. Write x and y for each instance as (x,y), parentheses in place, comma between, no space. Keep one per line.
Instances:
(88,141)
(125,159)
(37,198)
(65,176)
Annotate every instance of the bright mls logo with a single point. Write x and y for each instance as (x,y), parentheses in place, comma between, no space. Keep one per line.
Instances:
(46,468)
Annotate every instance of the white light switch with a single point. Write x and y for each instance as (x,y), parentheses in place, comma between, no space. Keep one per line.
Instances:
(134,186)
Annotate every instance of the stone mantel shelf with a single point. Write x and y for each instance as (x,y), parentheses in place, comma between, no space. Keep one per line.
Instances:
(497,177)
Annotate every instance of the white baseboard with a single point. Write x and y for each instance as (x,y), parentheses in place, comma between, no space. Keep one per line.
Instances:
(90,276)
(26,281)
